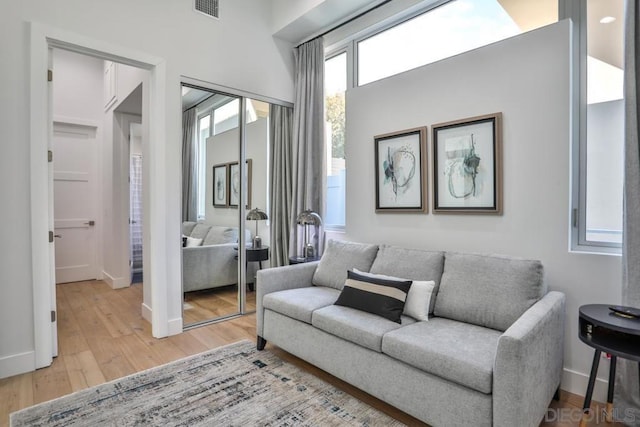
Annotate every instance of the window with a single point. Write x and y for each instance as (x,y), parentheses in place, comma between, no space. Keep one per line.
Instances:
(598,214)
(452,28)
(335,87)
(204,132)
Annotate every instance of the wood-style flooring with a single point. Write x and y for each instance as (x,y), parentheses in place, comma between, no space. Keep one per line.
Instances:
(102,336)
(213,303)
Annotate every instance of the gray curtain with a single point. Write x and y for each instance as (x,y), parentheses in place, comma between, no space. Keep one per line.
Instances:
(280,187)
(627,396)
(189,166)
(309,151)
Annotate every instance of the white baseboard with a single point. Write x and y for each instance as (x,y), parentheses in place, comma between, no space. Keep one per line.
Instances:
(146,312)
(175,326)
(576,383)
(17,364)
(116,282)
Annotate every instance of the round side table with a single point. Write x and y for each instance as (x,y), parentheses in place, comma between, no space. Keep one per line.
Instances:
(618,336)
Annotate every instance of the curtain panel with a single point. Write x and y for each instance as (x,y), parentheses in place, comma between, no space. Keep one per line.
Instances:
(280,187)
(309,153)
(189,166)
(627,390)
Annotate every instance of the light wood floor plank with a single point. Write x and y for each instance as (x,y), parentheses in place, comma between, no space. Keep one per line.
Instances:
(83,370)
(51,382)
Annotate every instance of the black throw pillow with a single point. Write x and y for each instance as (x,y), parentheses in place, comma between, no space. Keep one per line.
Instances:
(383,297)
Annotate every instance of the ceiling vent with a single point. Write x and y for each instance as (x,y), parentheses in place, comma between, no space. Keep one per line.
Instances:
(207,7)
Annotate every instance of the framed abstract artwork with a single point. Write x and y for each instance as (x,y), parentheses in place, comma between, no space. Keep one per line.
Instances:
(220,186)
(467,165)
(234,184)
(400,163)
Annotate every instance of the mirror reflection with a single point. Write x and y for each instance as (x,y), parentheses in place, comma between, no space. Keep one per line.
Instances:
(213,181)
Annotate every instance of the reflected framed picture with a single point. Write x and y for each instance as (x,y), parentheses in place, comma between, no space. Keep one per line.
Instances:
(467,165)
(221,186)
(234,184)
(400,163)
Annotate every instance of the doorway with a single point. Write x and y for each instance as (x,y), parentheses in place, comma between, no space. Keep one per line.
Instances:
(42,41)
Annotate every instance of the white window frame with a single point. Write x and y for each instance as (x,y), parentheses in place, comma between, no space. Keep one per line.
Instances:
(576,10)
(202,152)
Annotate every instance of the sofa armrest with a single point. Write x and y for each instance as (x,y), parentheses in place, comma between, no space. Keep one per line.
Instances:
(528,365)
(280,279)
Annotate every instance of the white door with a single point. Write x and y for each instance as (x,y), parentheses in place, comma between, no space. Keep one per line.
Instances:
(75,199)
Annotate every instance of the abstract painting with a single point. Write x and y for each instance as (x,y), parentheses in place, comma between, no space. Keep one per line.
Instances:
(234,184)
(467,172)
(220,189)
(400,162)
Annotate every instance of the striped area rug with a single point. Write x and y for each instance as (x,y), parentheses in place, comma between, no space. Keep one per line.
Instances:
(234,385)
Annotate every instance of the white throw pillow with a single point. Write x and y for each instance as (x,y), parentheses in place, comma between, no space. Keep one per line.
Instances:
(192,241)
(418,298)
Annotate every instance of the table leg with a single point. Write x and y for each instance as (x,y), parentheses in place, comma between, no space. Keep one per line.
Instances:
(612,382)
(592,381)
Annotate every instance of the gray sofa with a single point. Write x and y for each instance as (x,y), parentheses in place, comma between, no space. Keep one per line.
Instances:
(491,353)
(214,263)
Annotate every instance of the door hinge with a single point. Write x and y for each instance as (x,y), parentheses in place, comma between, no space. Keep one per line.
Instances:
(50,156)
(49,75)
(53,316)
(575,218)
(50,236)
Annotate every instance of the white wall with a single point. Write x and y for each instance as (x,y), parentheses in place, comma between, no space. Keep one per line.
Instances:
(223,51)
(527,79)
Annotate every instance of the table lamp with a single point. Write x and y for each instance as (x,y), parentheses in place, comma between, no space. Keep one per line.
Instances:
(256,214)
(307,219)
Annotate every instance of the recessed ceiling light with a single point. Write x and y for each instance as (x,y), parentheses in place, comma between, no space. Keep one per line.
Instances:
(607,20)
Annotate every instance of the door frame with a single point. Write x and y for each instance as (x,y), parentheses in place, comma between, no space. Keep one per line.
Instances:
(42,39)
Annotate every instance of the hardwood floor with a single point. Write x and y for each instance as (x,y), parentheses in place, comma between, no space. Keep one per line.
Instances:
(216,302)
(102,336)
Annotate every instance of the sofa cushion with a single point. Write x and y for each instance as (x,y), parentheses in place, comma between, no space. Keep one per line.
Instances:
(200,230)
(413,264)
(456,351)
(187,227)
(300,303)
(418,297)
(491,291)
(382,296)
(340,256)
(356,326)
(218,235)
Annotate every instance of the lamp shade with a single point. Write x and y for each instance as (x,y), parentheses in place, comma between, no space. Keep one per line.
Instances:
(256,214)
(308,217)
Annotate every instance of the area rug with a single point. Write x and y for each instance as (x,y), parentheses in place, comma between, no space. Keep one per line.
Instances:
(234,385)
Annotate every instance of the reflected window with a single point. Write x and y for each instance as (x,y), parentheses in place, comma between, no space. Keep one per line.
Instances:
(204,132)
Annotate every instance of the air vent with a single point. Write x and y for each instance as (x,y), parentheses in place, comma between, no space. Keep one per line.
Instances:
(207,7)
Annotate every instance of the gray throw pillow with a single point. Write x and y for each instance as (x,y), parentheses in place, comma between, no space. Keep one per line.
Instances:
(340,256)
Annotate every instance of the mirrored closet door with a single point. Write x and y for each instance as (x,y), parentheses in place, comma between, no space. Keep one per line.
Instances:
(218,273)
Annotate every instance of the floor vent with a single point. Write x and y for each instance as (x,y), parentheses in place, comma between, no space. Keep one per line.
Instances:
(210,8)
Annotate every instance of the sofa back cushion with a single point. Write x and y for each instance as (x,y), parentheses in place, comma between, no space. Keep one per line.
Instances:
(218,235)
(490,291)
(413,264)
(187,227)
(200,230)
(340,256)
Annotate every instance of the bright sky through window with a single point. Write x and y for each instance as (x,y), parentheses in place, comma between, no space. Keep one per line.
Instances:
(456,27)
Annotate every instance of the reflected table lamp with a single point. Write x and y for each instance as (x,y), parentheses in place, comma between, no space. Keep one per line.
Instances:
(309,220)
(256,215)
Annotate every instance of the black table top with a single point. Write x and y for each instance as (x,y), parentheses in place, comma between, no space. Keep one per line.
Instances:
(599,314)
